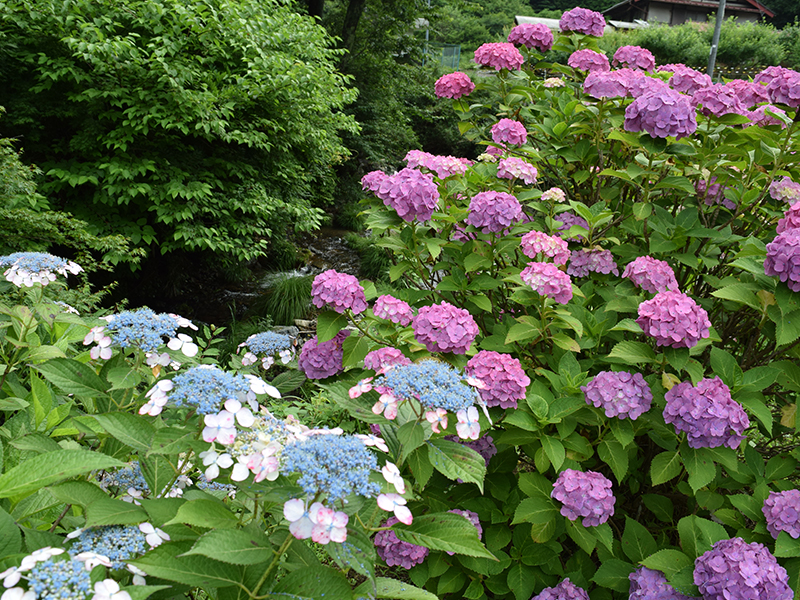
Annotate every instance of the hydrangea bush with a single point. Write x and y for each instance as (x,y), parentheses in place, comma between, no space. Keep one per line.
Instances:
(589,391)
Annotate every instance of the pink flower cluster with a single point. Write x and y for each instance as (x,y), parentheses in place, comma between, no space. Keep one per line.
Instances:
(340,291)
(685,79)
(785,190)
(319,361)
(372,181)
(674,319)
(445,328)
(582,262)
(707,413)
(619,394)
(783,258)
(395,552)
(647,584)
(411,193)
(790,219)
(453,85)
(634,57)
(503,378)
(534,243)
(652,275)
(546,279)
(499,56)
(588,60)
(517,168)
(532,35)
(785,88)
(443,166)
(317,522)
(748,93)
(735,569)
(661,113)
(782,511)
(554,194)
(605,84)
(383,358)
(717,100)
(492,212)
(565,590)
(767,75)
(394,310)
(582,20)
(586,495)
(509,131)
(760,117)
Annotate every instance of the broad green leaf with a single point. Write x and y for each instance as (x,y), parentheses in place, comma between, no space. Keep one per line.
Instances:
(354,349)
(313,582)
(158,473)
(392,589)
(660,506)
(10,535)
(632,353)
(747,505)
(697,535)
(521,580)
(699,463)
(357,553)
(622,429)
(205,513)
(785,546)
(637,542)
(52,467)
(170,440)
(522,331)
(726,367)
(535,510)
(288,381)
(457,461)
(143,592)
(664,467)
(755,402)
(613,574)
(123,378)
(132,430)
(411,436)
(444,531)
(108,511)
(581,535)
(166,562)
(73,377)
(233,546)
(668,562)
(554,450)
(535,484)
(329,323)
(615,456)
(739,292)
(77,492)
(420,465)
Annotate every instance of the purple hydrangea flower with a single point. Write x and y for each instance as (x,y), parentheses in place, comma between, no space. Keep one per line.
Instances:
(372,181)
(687,80)
(735,569)
(443,166)
(717,100)
(509,131)
(582,262)
(493,212)
(673,319)
(785,189)
(499,56)
(319,361)
(582,20)
(783,258)
(605,84)
(647,584)
(707,413)
(503,376)
(782,511)
(651,274)
(394,310)
(785,88)
(638,83)
(453,85)
(770,73)
(546,279)
(661,113)
(532,35)
(634,57)
(411,193)
(395,552)
(711,193)
(588,60)
(378,360)
(517,168)
(569,219)
(484,445)
(790,219)
(534,243)
(749,93)
(445,328)
(619,394)
(760,117)
(338,290)
(584,494)
(565,590)
(472,517)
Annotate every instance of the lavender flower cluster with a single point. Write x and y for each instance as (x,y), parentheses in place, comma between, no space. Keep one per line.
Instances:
(619,394)
(588,60)
(718,100)
(319,361)
(790,219)
(582,262)
(503,378)
(534,243)
(532,35)
(340,291)
(372,181)
(453,85)
(707,413)
(634,57)
(493,212)
(569,221)
(674,319)
(685,79)
(602,84)
(785,190)
(395,552)
(443,166)
(445,328)
(582,20)
(749,93)
(586,495)
(661,113)
(394,310)
(499,56)
(647,584)
(713,193)
(517,168)
(782,511)
(412,193)
(783,258)
(383,358)
(509,131)
(565,590)
(546,279)
(651,274)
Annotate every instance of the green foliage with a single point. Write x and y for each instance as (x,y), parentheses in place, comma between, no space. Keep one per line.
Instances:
(207,126)
(286,299)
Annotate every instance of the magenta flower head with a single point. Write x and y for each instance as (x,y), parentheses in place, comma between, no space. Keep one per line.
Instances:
(651,274)
(453,85)
(499,56)
(785,88)
(586,495)
(319,361)
(411,193)
(605,84)
(534,243)
(565,590)
(546,279)
(717,100)
(493,212)
(372,181)
(517,168)
(767,75)
(502,375)
(582,262)
(619,394)
(395,552)
(634,57)
(674,319)
(340,291)
(588,60)
(532,35)
(382,358)
(445,328)
(782,511)
(790,219)
(735,569)
(785,190)
(760,117)
(647,584)
(783,258)
(661,113)
(509,131)
(583,20)
(394,310)
(749,93)
(707,413)
(443,166)
(687,80)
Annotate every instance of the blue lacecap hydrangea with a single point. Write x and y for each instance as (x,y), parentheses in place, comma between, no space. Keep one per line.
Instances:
(55,579)
(126,478)
(120,543)
(268,343)
(207,388)
(332,464)
(34,262)
(433,383)
(142,328)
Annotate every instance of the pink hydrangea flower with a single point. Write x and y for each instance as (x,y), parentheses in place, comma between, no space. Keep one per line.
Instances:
(790,219)
(443,166)
(760,117)
(661,113)
(588,60)
(785,88)
(318,361)
(586,495)
(711,193)
(687,80)
(499,56)
(532,35)
(582,20)
(340,291)
(383,359)
(582,262)
(619,394)
(504,379)
(767,75)
(517,168)
(569,221)
(445,328)
(782,511)
(634,57)
(605,84)
(717,100)
(546,279)
(748,93)
(534,243)
(565,590)
(372,181)
(493,212)
(785,189)
(652,275)
(392,309)
(411,193)
(783,258)
(509,131)
(674,319)
(554,194)
(453,85)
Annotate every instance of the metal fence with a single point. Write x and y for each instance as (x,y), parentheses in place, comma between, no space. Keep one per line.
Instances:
(447,55)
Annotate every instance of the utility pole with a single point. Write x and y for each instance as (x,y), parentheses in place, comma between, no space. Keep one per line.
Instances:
(712,58)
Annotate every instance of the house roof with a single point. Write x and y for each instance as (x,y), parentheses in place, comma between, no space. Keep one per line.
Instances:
(744,5)
(553,23)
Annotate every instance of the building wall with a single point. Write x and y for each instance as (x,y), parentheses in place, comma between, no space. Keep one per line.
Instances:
(660,12)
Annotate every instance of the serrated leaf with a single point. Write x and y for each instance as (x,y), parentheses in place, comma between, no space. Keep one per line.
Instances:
(664,467)
(699,463)
(521,580)
(164,562)
(10,535)
(73,377)
(613,574)
(581,536)
(108,511)
(205,513)
(615,456)
(444,531)
(329,323)
(354,349)
(554,450)
(132,430)
(668,562)
(632,353)
(357,552)
(233,546)
(786,546)
(535,510)
(457,461)
(637,541)
(392,589)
